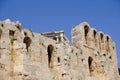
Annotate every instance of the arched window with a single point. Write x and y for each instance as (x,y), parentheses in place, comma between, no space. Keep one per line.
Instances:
(95,38)
(95,33)
(101,37)
(107,44)
(119,70)
(90,64)
(58,59)
(50,52)
(86,30)
(27,41)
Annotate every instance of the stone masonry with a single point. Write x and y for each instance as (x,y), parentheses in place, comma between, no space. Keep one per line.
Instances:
(25,55)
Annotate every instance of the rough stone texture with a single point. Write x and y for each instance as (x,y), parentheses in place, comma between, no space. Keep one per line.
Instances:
(25,55)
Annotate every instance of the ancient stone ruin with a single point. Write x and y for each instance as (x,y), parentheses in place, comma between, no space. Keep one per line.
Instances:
(25,55)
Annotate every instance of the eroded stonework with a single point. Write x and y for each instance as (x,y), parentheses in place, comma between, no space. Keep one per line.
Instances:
(25,55)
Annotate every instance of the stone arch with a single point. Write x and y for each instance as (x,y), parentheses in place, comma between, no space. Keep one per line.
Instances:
(50,49)
(90,60)
(58,59)
(108,48)
(27,41)
(86,30)
(95,37)
(101,41)
(101,37)
(94,33)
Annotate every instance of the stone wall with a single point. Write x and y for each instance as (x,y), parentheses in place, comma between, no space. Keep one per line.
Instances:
(25,55)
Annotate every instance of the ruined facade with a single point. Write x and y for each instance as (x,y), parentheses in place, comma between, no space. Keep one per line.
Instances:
(25,55)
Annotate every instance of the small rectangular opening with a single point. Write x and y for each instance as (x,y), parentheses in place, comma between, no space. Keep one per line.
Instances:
(11,33)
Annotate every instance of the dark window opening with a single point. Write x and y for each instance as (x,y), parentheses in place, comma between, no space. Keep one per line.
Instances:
(104,54)
(108,43)
(95,34)
(25,33)
(58,59)
(90,64)
(82,60)
(86,30)
(110,57)
(107,38)
(90,61)
(119,70)
(101,37)
(11,33)
(50,52)
(55,38)
(27,41)
(2,25)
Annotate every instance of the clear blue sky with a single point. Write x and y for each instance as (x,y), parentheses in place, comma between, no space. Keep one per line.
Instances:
(51,15)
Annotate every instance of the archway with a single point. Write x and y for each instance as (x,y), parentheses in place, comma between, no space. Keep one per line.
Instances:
(101,37)
(90,59)
(86,30)
(95,37)
(50,52)
(27,41)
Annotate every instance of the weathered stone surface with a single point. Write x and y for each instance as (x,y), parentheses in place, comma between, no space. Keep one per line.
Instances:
(25,55)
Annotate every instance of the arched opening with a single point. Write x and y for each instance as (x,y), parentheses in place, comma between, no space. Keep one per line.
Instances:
(2,25)
(11,33)
(50,52)
(119,70)
(110,57)
(58,59)
(107,44)
(90,64)
(95,38)
(86,30)
(101,37)
(107,38)
(55,38)
(27,41)
(95,33)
